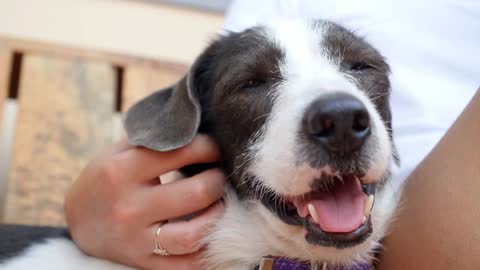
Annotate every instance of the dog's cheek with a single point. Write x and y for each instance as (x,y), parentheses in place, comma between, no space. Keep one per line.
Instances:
(275,154)
(236,120)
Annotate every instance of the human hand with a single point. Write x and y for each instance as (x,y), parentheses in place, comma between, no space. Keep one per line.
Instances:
(117,203)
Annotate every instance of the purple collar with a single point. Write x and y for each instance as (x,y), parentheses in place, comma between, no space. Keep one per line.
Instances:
(281,263)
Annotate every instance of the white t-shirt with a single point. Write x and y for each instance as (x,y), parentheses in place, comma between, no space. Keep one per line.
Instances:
(432,46)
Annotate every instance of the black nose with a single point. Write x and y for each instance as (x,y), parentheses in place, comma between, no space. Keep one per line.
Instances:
(339,121)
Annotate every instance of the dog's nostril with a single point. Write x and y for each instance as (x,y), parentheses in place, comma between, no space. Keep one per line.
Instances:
(326,127)
(361,121)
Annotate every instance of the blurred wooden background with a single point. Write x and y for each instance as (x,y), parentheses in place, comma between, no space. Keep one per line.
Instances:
(65,105)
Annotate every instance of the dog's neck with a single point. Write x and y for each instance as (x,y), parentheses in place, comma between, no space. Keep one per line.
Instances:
(282,263)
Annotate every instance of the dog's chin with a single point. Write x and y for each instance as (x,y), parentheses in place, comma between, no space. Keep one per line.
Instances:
(335,213)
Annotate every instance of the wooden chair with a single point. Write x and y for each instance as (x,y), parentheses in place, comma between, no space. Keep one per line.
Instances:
(58,107)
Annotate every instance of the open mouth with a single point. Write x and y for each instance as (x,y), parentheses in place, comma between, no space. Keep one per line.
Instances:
(335,213)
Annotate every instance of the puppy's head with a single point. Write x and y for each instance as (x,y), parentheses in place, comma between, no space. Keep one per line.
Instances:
(301,113)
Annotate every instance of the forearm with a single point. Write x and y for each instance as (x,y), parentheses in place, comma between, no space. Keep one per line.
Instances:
(438,225)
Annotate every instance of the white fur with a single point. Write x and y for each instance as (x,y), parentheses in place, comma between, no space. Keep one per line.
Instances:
(58,254)
(248,230)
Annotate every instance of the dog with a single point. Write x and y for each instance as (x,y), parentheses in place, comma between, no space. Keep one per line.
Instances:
(300,110)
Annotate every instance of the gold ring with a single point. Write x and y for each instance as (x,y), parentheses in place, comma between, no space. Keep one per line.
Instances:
(159,250)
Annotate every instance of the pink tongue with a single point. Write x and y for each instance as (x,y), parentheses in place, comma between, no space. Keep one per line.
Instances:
(340,210)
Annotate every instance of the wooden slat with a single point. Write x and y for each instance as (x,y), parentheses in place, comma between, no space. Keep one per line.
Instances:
(141,80)
(47,48)
(64,117)
(5,57)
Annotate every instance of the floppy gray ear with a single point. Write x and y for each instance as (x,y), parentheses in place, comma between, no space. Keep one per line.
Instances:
(165,120)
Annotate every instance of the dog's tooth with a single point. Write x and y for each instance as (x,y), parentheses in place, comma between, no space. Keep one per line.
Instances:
(313,213)
(369,189)
(369,205)
(364,219)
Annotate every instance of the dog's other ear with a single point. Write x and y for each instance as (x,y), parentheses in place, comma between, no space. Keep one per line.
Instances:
(165,120)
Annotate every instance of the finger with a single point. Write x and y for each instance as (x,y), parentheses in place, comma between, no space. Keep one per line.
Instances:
(122,145)
(144,164)
(184,237)
(116,148)
(182,197)
(177,262)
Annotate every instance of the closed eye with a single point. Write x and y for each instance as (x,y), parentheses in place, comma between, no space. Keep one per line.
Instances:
(252,83)
(358,66)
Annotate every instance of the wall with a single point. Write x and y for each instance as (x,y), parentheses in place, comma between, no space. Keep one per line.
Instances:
(122,26)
